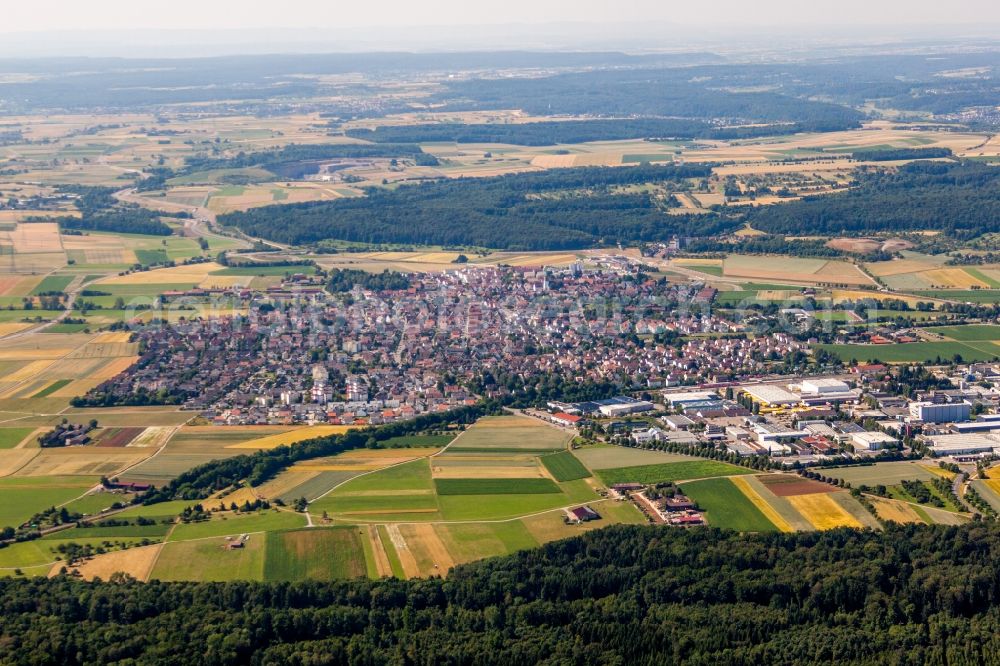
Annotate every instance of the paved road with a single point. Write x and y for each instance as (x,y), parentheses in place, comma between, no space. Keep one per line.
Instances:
(958,487)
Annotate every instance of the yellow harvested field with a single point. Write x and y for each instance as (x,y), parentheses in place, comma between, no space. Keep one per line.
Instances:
(291,437)
(33,238)
(112,336)
(597,159)
(427,546)
(955,278)
(30,371)
(153,437)
(339,468)
(30,354)
(901,266)
(114,367)
(285,482)
(239,496)
(554,161)
(75,388)
(769,511)
(379,454)
(793,269)
(193,273)
(13,460)
(86,461)
(841,295)
(8,328)
(994,485)
(896,511)
(225,281)
(106,350)
(934,469)
(822,512)
(842,272)
(136,562)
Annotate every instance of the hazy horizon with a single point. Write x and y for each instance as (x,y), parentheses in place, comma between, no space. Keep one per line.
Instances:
(47,15)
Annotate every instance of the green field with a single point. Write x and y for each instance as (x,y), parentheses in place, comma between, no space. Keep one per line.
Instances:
(564,466)
(969,332)
(726,506)
(52,283)
(11,437)
(495,486)
(21,498)
(316,554)
(474,541)
(414,475)
(511,433)
(497,507)
(229,524)
(964,295)
(607,456)
(678,471)
(887,473)
(916,352)
(208,560)
(149,257)
(52,388)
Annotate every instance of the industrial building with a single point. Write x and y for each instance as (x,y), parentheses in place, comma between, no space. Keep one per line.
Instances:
(955,445)
(929,412)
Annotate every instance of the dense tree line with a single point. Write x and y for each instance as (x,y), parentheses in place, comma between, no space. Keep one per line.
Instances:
(774,245)
(962,200)
(547,133)
(297,160)
(891,154)
(343,280)
(908,595)
(558,209)
(100,211)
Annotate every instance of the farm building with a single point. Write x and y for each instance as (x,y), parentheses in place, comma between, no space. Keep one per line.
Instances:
(583,514)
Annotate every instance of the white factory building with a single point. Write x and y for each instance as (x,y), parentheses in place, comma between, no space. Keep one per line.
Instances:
(957,445)
(930,412)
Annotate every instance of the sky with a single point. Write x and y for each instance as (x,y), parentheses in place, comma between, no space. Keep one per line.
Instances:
(93,15)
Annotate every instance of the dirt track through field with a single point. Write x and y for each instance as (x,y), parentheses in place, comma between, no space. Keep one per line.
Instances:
(435,547)
(410,567)
(382,565)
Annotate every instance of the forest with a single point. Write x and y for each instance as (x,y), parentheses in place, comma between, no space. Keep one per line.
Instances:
(890,154)
(622,595)
(296,160)
(558,209)
(960,199)
(100,211)
(547,133)
(649,93)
